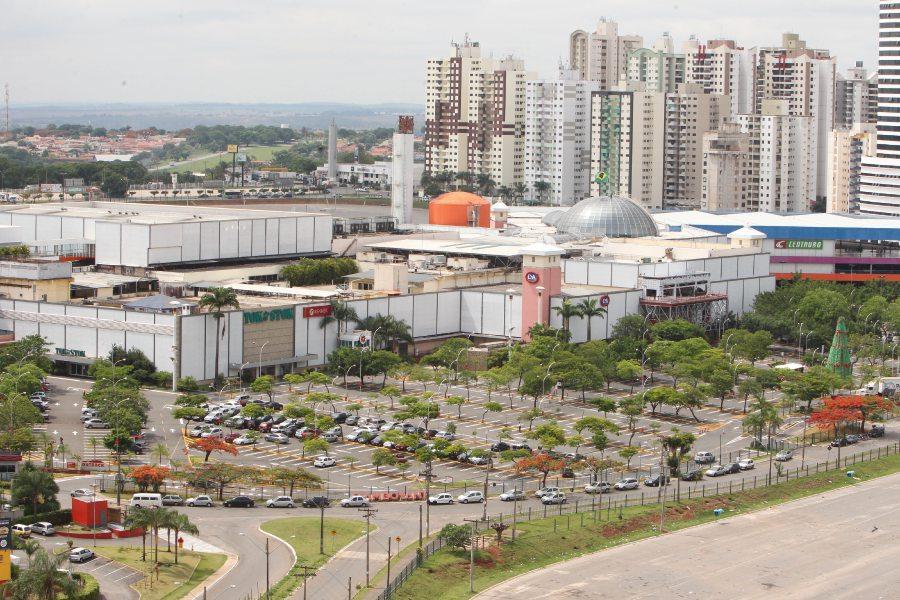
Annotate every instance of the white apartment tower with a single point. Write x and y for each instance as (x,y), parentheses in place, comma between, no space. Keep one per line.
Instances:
(475,115)
(721,67)
(804,78)
(726,169)
(847,149)
(783,161)
(600,55)
(880,180)
(855,97)
(690,114)
(627,144)
(659,67)
(558,138)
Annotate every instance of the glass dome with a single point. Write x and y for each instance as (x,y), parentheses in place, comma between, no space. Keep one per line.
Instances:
(610,216)
(553,217)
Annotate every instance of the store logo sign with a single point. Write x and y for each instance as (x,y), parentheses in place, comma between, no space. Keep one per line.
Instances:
(799,244)
(263,316)
(67,352)
(604,301)
(311,312)
(532,277)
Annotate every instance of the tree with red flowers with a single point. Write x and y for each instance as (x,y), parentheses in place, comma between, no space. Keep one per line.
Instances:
(539,463)
(149,476)
(866,406)
(210,445)
(834,417)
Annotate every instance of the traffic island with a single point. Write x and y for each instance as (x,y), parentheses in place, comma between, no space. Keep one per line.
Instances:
(165,579)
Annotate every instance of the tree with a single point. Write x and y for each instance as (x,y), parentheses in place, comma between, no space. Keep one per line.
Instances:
(160,451)
(314,445)
(341,313)
(312,378)
(677,445)
(289,477)
(629,371)
(391,392)
(491,407)
(383,458)
(264,384)
(676,330)
(458,402)
(812,385)
(550,435)
(628,452)
(604,404)
(191,400)
(456,536)
(293,379)
(530,415)
(595,425)
(588,309)
(539,463)
(215,301)
(254,410)
(210,445)
(180,523)
(660,396)
(566,311)
(34,489)
(630,327)
(721,383)
(44,579)
(218,474)
(148,477)
(188,414)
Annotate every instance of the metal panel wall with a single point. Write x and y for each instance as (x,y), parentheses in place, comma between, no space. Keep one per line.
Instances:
(492,306)
(136,242)
(271,237)
(425,314)
(245,237)
(323,234)
(109,244)
(287,236)
(306,233)
(190,235)
(470,311)
(448,312)
(209,241)
(228,243)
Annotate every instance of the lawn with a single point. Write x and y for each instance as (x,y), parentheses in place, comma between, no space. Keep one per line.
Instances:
(175,581)
(543,542)
(302,533)
(262,153)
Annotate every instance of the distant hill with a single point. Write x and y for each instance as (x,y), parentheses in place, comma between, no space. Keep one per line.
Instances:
(314,115)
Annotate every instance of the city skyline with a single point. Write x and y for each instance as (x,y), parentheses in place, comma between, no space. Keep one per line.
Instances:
(100,52)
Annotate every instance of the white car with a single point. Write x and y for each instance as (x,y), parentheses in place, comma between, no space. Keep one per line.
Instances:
(43,527)
(716,471)
(277,438)
(245,440)
(95,423)
(784,455)
(215,432)
(513,496)
(547,490)
(470,497)
(555,498)
(746,464)
(445,435)
(199,501)
(627,484)
(324,462)
(280,502)
(198,431)
(441,499)
(81,493)
(354,501)
(598,487)
(389,426)
(87,416)
(79,555)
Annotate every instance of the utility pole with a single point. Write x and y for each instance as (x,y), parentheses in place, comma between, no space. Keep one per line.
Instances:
(662,478)
(322,529)
(487,470)
(368,513)
(267,567)
(420,527)
(6,99)
(472,556)
(306,575)
(428,475)
(387,585)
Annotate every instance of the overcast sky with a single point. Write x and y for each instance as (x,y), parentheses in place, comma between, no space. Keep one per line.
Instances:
(367,51)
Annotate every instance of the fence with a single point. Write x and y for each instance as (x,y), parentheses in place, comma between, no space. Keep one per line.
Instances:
(596,507)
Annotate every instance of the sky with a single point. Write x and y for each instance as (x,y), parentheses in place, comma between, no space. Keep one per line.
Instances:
(355,51)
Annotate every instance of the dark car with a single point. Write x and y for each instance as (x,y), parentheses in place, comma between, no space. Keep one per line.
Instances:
(316,502)
(877,431)
(839,442)
(236,422)
(430,433)
(239,502)
(568,472)
(274,405)
(654,481)
(854,438)
(340,417)
(499,447)
(520,447)
(376,441)
(695,475)
(733,468)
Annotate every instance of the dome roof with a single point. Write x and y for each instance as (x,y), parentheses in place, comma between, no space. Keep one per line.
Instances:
(610,216)
(553,217)
(459,198)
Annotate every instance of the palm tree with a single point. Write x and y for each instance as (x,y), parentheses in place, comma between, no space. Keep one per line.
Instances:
(94,443)
(540,187)
(341,313)
(29,547)
(215,300)
(32,487)
(485,183)
(179,523)
(588,309)
(519,191)
(567,310)
(44,579)
(143,519)
(160,451)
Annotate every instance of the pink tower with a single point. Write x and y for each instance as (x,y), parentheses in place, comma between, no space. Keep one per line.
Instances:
(541,281)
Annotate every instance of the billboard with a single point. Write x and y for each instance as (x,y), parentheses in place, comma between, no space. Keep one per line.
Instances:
(232,148)
(799,244)
(6,534)
(310,312)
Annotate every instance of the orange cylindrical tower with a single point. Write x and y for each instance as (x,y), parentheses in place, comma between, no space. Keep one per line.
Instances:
(460,209)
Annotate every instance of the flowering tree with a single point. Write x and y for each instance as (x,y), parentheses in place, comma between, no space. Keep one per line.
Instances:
(210,445)
(149,476)
(539,463)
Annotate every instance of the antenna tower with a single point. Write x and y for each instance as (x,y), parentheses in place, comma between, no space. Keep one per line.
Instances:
(6,100)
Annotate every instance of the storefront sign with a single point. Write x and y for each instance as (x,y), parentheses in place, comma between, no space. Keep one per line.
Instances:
(67,352)
(532,277)
(604,301)
(263,316)
(799,244)
(5,534)
(311,312)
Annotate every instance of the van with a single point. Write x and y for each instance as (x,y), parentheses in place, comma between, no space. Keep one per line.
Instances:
(145,500)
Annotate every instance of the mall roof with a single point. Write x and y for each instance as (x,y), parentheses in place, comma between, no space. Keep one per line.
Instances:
(490,246)
(829,226)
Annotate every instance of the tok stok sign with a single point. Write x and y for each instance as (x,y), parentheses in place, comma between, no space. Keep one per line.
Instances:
(311,312)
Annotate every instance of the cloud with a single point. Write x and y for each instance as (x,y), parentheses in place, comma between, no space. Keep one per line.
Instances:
(350,50)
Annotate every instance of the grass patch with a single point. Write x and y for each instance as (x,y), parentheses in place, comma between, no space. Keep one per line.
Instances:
(175,581)
(540,542)
(302,534)
(262,153)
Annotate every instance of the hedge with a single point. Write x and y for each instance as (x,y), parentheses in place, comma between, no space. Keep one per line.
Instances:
(55,517)
(90,587)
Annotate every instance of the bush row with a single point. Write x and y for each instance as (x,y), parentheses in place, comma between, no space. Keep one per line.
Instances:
(55,517)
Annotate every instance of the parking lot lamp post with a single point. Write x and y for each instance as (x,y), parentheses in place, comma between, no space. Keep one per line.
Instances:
(259,363)
(241,374)
(484,503)
(800,341)
(119,454)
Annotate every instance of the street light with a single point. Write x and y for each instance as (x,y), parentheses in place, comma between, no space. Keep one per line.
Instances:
(259,364)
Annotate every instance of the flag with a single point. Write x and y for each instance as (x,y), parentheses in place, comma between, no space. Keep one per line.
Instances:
(601,177)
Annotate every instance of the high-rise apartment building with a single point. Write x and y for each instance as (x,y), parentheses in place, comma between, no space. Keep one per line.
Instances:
(804,79)
(721,67)
(475,115)
(855,97)
(627,144)
(783,160)
(879,192)
(558,138)
(689,115)
(726,169)
(600,55)
(847,149)
(659,67)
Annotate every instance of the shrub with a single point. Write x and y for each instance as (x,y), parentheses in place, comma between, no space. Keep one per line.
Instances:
(162,379)
(456,536)
(55,517)
(90,587)
(188,384)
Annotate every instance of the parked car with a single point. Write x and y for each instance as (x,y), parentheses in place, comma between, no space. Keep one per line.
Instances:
(546,490)
(470,497)
(598,487)
(213,432)
(23,531)
(280,502)
(854,438)
(479,460)
(746,464)
(513,496)
(172,500)
(239,502)
(245,440)
(731,468)
(199,501)
(80,555)
(340,417)
(716,471)
(95,424)
(445,435)
(629,483)
(499,447)
(703,458)
(351,420)
(655,480)
(277,438)
(877,431)
(316,502)
(555,498)
(839,442)
(440,499)
(354,501)
(81,493)
(43,527)
(323,462)
(784,455)
(693,475)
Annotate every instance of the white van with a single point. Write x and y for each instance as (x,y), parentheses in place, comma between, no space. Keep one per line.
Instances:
(146,500)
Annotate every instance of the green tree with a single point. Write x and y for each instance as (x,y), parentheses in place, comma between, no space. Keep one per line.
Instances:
(629,371)
(456,536)
(566,311)
(495,407)
(589,309)
(676,330)
(44,579)
(215,301)
(264,384)
(458,402)
(34,490)
(383,458)
(341,313)
(180,523)
(550,435)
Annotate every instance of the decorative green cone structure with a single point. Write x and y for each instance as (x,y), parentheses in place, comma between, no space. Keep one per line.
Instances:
(839,355)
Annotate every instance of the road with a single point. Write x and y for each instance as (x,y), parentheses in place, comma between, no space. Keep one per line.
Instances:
(842,544)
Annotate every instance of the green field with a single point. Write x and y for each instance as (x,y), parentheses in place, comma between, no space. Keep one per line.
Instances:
(204,161)
(302,533)
(175,581)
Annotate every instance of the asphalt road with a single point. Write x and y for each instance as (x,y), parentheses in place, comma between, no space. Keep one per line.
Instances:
(842,544)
